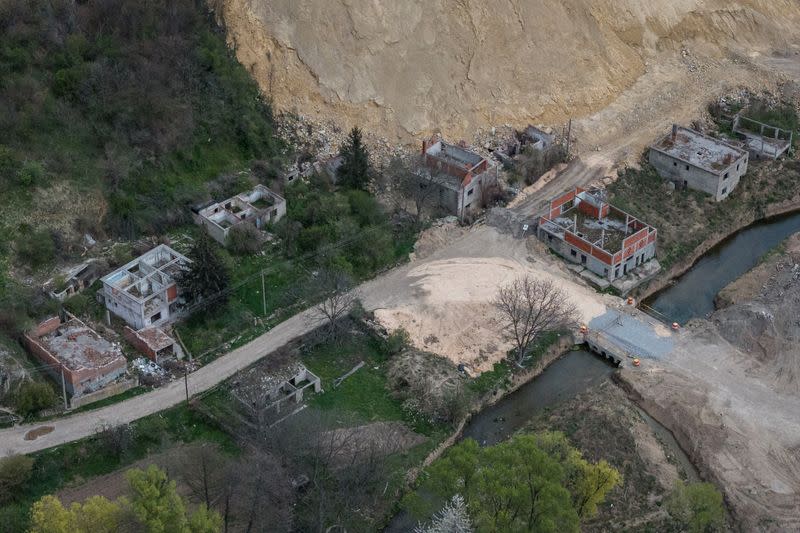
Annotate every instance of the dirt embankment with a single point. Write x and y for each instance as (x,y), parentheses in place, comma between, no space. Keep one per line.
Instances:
(411,68)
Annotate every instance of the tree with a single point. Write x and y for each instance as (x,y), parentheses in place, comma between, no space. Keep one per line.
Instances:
(453,518)
(95,515)
(355,171)
(14,472)
(588,483)
(697,507)
(154,501)
(405,186)
(534,482)
(207,275)
(512,486)
(336,289)
(245,239)
(532,163)
(33,396)
(530,307)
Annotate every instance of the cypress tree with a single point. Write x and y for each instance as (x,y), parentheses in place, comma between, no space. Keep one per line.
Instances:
(354,173)
(207,275)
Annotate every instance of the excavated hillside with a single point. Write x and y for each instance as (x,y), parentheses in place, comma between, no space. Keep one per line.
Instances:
(408,68)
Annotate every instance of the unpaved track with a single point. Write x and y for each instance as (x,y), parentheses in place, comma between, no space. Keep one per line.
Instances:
(405,288)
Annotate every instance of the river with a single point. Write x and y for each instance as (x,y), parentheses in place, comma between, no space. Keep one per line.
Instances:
(692,295)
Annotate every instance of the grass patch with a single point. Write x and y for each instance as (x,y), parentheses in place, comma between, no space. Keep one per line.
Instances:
(685,219)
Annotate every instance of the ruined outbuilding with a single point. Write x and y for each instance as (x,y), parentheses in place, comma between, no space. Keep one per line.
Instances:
(144,292)
(584,229)
(693,160)
(762,140)
(153,342)
(468,176)
(73,280)
(67,346)
(258,207)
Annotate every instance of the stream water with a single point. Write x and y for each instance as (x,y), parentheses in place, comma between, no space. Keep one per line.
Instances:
(692,295)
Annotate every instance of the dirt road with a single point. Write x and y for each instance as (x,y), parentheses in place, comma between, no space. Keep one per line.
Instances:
(430,292)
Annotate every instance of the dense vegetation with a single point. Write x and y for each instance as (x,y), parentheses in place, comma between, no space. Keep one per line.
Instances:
(114,117)
(140,99)
(532,482)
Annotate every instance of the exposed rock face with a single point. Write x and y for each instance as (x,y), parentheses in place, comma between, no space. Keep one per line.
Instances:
(411,67)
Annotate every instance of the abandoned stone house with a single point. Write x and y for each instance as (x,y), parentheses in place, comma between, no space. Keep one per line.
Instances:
(584,229)
(259,207)
(88,361)
(144,292)
(696,161)
(467,176)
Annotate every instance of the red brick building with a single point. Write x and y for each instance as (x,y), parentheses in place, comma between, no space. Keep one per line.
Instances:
(88,361)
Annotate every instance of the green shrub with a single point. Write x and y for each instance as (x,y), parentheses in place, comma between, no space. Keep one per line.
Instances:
(77,304)
(30,173)
(35,249)
(244,239)
(697,507)
(15,470)
(33,396)
(398,341)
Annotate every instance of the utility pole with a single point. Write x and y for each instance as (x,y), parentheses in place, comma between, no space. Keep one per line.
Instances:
(263,294)
(64,388)
(186,382)
(569,135)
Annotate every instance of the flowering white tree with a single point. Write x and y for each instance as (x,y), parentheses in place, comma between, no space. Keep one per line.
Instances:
(453,518)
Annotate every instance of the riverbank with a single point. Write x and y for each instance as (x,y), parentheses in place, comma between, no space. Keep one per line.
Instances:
(561,347)
(665,279)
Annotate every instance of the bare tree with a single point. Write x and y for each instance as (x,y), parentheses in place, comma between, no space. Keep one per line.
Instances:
(530,307)
(406,183)
(453,518)
(336,289)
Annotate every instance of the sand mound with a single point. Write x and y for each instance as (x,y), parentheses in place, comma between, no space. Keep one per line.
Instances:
(453,315)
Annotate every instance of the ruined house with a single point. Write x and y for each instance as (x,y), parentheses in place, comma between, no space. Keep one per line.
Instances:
(467,175)
(693,160)
(144,292)
(88,361)
(584,229)
(259,207)
(74,279)
(762,140)
(154,343)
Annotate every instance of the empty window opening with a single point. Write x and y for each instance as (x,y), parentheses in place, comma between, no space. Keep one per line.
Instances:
(574,253)
(725,176)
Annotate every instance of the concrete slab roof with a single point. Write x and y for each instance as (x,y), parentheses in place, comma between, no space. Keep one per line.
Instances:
(699,150)
(78,346)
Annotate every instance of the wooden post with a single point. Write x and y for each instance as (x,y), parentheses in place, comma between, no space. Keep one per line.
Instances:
(263,294)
